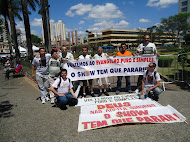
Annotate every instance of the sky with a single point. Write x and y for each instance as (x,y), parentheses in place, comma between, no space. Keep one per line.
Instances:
(98,15)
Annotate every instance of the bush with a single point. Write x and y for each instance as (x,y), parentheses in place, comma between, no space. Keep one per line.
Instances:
(165,61)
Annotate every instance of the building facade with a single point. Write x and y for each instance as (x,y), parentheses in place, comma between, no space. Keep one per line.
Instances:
(60,30)
(184,6)
(116,36)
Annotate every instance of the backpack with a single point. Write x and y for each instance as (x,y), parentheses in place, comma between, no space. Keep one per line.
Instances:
(60,82)
(154,73)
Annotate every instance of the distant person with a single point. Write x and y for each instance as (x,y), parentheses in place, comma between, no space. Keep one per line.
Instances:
(151,82)
(18,68)
(146,48)
(103,80)
(54,70)
(41,64)
(64,93)
(123,52)
(85,56)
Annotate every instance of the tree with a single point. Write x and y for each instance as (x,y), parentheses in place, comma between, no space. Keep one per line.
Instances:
(173,25)
(35,39)
(187,39)
(10,9)
(25,4)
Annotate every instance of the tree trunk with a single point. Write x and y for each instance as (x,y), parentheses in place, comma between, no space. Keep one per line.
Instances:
(27,28)
(13,30)
(8,34)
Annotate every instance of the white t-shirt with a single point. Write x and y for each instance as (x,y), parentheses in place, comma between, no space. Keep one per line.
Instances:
(151,79)
(150,45)
(103,55)
(84,57)
(69,56)
(64,86)
(54,67)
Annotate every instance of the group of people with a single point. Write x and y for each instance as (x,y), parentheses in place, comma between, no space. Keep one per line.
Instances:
(53,83)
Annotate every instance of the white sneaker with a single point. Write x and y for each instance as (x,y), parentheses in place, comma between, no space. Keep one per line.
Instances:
(43,101)
(52,101)
(47,99)
(137,91)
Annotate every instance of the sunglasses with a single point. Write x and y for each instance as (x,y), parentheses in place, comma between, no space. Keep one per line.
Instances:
(151,66)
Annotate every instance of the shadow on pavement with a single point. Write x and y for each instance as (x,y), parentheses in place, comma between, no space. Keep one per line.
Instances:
(5,109)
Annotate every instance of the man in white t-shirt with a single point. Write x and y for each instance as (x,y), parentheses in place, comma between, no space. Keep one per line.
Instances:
(103,80)
(41,64)
(146,48)
(64,93)
(86,56)
(151,83)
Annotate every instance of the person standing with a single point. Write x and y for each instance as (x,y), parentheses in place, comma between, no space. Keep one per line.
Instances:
(104,80)
(123,52)
(54,70)
(41,65)
(146,48)
(86,56)
(151,82)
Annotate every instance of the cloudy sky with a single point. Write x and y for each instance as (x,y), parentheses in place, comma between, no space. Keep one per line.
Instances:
(96,15)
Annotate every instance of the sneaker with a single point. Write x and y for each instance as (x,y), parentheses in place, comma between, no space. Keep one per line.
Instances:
(99,94)
(47,99)
(52,101)
(106,93)
(117,92)
(43,101)
(92,94)
(130,91)
(83,96)
(137,91)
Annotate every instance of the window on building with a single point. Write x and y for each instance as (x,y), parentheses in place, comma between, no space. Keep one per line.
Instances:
(184,9)
(184,3)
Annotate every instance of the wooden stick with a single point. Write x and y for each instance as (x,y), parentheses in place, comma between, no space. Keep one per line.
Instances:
(186,122)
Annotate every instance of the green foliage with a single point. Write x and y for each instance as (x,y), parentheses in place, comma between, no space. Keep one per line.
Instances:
(35,39)
(182,58)
(187,38)
(165,61)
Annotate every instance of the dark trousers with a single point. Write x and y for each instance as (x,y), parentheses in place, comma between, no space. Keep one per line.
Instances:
(128,84)
(139,82)
(8,72)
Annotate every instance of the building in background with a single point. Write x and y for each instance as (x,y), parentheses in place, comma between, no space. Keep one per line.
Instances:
(60,31)
(52,31)
(115,37)
(184,6)
(4,46)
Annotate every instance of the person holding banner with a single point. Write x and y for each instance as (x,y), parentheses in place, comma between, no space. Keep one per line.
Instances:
(85,56)
(64,93)
(123,52)
(104,80)
(151,83)
(143,49)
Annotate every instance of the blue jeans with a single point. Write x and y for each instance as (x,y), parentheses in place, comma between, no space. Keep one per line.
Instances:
(128,84)
(63,101)
(156,91)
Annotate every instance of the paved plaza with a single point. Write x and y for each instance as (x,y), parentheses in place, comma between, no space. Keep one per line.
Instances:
(24,119)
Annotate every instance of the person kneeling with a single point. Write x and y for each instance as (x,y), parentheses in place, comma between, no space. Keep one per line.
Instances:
(151,83)
(62,87)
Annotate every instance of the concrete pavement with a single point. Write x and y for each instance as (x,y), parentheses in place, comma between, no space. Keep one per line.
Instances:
(25,119)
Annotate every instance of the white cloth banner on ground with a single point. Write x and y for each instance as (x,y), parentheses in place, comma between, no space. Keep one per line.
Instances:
(84,69)
(119,106)
(160,114)
(106,99)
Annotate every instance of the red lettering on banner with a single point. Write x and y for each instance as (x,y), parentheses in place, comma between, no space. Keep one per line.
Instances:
(156,119)
(126,113)
(100,106)
(119,114)
(140,112)
(117,104)
(126,104)
(170,117)
(176,116)
(101,124)
(133,113)
(109,106)
(85,124)
(107,116)
(133,59)
(129,119)
(163,118)
(93,124)
(140,119)
(147,119)
(146,59)
(123,120)
(126,60)
(96,111)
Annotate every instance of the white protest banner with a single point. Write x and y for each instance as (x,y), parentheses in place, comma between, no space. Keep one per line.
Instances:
(106,99)
(119,106)
(161,114)
(84,69)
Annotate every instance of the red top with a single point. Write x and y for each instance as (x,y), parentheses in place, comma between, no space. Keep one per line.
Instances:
(19,68)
